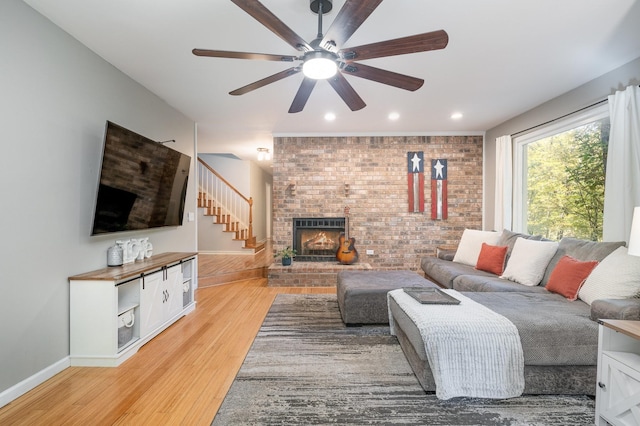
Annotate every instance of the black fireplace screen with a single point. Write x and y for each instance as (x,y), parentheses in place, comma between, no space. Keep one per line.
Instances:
(317,239)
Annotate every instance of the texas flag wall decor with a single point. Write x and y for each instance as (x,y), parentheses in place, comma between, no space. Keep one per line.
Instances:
(439,189)
(415,165)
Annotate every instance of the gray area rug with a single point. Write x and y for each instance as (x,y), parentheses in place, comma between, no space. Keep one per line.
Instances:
(306,368)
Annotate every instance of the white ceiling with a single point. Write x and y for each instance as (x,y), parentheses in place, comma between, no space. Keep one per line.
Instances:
(504,57)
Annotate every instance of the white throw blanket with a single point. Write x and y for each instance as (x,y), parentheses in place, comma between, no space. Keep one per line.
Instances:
(472,350)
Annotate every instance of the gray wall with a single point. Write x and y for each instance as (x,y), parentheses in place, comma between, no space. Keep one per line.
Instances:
(55,97)
(587,94)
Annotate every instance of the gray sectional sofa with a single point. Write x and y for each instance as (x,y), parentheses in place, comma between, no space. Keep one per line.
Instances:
(442,271)
(559,336)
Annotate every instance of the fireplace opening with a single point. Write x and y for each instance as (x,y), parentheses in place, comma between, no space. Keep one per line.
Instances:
(317,239)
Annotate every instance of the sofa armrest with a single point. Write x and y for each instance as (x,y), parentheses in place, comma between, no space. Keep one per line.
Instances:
(446,253)
(620,309)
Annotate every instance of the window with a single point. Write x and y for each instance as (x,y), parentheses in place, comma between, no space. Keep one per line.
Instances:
(559,177)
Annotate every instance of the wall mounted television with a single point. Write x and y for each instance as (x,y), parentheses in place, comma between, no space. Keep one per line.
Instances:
(143,183)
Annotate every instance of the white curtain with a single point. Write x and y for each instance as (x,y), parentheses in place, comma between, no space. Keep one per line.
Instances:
(504,184)
(622,184)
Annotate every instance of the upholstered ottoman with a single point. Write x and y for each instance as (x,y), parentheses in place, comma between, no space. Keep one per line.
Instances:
(362,295)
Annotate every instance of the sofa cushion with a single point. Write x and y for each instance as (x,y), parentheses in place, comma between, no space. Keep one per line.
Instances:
(569,275)
(539,379)
(489,282)
(492,258)
(529,260)
(443,272)
(581,250)
(553,330)
(616,277)
(619,309)
(471,243)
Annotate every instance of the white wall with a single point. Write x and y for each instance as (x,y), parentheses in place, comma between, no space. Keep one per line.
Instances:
(261,211)
(235,171)
(55,97)
(585,95)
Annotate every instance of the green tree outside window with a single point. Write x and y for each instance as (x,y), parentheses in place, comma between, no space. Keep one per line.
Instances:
(565,183)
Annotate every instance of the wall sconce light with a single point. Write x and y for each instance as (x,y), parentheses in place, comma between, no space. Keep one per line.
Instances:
(291,189)
(263,154)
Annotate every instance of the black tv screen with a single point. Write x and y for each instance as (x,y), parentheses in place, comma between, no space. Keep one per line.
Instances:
(143,183)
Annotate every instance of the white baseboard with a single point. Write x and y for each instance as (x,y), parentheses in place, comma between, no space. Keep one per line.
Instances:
(29,383)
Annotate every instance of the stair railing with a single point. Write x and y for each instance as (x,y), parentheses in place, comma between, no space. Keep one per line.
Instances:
(228,198)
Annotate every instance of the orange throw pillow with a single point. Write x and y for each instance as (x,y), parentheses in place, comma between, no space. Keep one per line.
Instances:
(491,258)
(569,275)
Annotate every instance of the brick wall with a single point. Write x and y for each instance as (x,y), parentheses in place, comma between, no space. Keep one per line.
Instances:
(318,177)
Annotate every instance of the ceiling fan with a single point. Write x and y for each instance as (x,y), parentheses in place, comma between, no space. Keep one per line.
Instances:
(325,59)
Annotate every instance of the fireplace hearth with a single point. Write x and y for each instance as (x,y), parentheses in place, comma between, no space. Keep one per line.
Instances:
(317,239)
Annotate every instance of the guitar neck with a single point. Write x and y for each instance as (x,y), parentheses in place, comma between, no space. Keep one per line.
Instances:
(346,228)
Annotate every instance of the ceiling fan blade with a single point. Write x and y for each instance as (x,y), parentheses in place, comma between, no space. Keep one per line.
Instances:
(348,20)
(263,15)
(346,92)
(303,95)
(268,80)
(243,55)
(400,46)
(383,76)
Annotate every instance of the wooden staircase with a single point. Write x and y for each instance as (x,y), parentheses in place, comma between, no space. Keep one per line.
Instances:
(222,217)
(229,208)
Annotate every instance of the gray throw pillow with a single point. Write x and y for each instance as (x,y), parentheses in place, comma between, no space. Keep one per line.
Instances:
(508,238)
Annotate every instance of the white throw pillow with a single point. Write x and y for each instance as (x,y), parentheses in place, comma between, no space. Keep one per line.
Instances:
(529,259)
(616,277)
(471,243)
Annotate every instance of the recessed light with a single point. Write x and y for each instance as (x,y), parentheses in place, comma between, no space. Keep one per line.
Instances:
(456,116)
(329,116)
(394,116)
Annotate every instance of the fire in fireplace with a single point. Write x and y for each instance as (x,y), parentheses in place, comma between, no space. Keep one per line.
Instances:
(317,239)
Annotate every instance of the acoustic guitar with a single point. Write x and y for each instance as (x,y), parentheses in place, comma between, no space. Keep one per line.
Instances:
(347,253)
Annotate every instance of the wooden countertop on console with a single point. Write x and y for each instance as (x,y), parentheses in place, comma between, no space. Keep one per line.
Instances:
(630,328)
(117,273)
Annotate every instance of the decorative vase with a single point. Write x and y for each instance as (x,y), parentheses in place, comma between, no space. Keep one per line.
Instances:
(114,256)
(286,261)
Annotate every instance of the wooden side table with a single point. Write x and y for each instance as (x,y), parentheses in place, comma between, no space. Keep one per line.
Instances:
(618,387)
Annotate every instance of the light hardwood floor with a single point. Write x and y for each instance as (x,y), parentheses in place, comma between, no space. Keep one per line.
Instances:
(178,378)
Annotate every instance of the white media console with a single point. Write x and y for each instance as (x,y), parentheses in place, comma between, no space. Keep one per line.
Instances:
(116,310)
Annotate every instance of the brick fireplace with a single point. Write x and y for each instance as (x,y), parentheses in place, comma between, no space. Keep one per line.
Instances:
(317,177)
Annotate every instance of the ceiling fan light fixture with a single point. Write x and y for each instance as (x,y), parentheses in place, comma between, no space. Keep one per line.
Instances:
(319,65)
